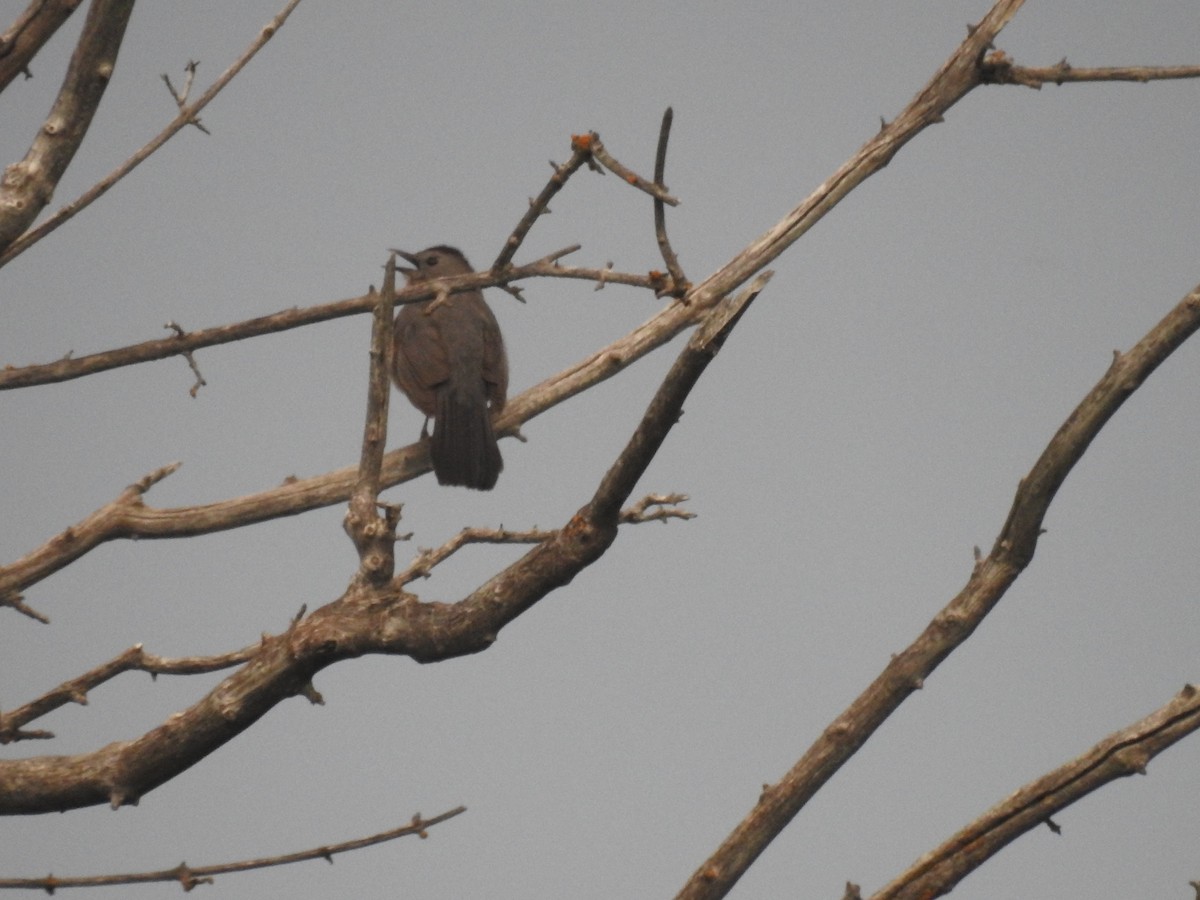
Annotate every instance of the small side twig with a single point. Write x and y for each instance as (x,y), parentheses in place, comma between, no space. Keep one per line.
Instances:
(135,659)
(627,174)
(679,283)
(190,876)
(428,559)
(999,68)
(172,325)
(580,154)
(656,508)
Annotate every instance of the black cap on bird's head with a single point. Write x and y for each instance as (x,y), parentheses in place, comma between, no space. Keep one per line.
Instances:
(435,262)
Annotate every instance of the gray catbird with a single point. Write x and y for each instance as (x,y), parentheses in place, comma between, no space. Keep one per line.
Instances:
(448,358)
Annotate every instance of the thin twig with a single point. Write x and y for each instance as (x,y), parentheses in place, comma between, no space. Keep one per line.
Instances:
(626,174)
(428,559)
(185,117)
(190,876)
(580,154)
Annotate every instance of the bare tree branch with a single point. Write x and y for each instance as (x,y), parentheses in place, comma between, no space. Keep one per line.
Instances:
(14,245)
(26,36)
(1124,753)
(190,876)
(28,185)
(367,619)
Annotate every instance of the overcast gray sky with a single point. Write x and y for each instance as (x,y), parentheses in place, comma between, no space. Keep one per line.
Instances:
(863,429)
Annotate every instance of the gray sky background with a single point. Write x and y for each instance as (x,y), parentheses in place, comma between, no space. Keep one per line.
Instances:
(865,426)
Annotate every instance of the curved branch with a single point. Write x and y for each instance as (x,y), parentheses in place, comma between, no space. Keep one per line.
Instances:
(28,185)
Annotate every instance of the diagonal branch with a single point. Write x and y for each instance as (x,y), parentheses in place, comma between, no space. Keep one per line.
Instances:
(1124,753)
(28,185)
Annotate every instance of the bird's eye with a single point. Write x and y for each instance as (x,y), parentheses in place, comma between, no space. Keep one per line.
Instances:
(431,260)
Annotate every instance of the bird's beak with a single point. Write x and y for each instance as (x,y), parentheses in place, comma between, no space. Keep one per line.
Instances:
(412,258)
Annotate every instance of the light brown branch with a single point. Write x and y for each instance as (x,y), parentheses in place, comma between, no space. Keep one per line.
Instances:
(191,876)
(14,246)
(657,508)
(28,185)
(1121,754)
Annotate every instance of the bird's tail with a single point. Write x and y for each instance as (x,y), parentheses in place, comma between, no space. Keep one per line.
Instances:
(464,448)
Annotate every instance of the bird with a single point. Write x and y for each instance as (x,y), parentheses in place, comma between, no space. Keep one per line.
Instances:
(448,359)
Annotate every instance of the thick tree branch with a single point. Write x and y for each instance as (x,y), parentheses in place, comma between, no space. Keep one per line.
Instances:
(1127,752)
(27,186)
